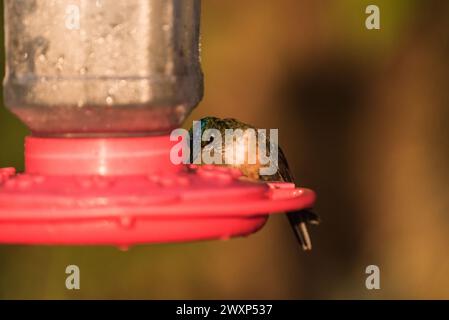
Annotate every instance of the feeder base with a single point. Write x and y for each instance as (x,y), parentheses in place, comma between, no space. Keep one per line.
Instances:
(151,202)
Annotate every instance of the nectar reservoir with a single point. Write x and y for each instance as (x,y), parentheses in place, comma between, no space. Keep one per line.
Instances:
(108,67)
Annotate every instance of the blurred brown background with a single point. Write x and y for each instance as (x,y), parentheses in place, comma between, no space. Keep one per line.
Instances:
(363,117)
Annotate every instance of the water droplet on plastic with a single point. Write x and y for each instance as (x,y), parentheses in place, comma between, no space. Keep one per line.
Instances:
(83,70)
(60,63)
(123,248)
(109,101)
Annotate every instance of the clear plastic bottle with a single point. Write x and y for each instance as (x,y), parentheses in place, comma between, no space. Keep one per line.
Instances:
(111,67)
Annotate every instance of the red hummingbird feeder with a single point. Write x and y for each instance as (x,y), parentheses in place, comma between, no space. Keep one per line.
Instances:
(101,84)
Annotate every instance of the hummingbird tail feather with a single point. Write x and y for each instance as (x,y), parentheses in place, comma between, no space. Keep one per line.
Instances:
(298,221)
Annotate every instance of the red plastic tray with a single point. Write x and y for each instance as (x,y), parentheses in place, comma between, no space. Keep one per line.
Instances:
(184,203)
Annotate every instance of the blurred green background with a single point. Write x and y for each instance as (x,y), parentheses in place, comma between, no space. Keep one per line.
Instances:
(363,118)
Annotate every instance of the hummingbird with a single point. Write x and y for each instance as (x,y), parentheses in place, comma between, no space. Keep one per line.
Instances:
(299,220)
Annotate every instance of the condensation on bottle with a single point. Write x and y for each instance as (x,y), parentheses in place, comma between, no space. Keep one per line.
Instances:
(102,67)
